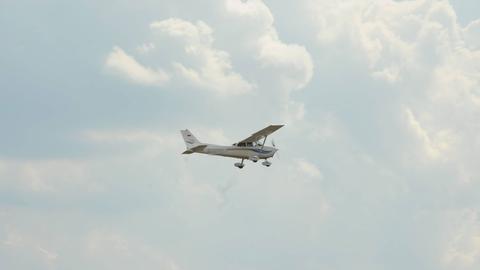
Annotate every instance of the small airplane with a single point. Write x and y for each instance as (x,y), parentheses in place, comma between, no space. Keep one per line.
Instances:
(252,148)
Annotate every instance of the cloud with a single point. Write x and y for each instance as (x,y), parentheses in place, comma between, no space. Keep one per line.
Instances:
(205,67)
(196,35)
(272,52)
(124,64)
(193,59)
(436,148)
(472,35)
(290,64)
(145,48)
(396,39)
(425,58)
(308,169)
(292,61)
(111,249)
(44,176)
(134,143)
(407,119)
(463,246)
(35,248)
(213,70)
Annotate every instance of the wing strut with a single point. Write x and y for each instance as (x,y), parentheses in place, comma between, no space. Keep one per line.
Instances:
(264,140)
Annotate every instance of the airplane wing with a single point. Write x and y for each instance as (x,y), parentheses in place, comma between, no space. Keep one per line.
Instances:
(262,133)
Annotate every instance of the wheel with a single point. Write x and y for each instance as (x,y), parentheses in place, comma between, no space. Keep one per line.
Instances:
(266,163)
(239,165)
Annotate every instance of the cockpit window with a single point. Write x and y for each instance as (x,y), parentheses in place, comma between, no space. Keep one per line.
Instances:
(244,144)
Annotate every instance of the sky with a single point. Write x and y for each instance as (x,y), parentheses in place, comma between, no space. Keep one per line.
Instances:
(378,160)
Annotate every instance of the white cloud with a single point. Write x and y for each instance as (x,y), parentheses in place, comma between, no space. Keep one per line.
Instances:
(206,67)
(213,70)
(124,64)
(435,146)
(13,239)
(283,67)
(472,35)
(463,246)
(199,34)
(44,176)
(34,246)
(308,169)
(424,56)
(50,256)
(255,11)
(295,58)
(105,247)
(136,143)
(396,38)
(294,64)
(145,48)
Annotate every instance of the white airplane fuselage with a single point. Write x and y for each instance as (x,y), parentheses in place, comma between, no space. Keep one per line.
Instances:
(253,153)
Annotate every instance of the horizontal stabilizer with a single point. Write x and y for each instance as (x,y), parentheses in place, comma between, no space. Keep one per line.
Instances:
(197,148)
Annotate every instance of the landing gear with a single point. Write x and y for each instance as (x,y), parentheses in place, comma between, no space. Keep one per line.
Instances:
(239,165)
(266,163)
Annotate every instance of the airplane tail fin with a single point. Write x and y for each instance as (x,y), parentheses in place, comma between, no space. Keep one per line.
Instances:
(190,140)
